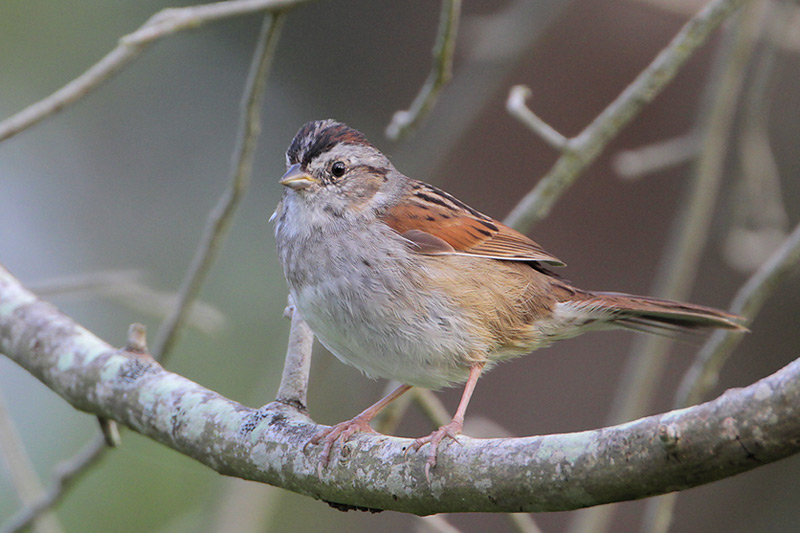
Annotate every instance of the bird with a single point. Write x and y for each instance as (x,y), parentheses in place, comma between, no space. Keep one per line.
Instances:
(403,281)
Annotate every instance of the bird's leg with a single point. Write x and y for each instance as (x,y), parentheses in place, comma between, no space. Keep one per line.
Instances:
(344,430)
(454,427)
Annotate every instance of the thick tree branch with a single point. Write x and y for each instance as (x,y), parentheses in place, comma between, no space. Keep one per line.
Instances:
(741,430)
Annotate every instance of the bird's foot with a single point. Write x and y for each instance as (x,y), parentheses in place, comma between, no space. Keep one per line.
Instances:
(340,432)
(450,430)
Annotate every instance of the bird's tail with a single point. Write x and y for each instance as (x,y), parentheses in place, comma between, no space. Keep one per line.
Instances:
(653,314)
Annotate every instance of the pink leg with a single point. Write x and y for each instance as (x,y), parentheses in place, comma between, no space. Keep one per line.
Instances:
(360,422)
(454,427)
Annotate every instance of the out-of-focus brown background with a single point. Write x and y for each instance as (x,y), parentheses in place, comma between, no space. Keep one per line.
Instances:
(125,179)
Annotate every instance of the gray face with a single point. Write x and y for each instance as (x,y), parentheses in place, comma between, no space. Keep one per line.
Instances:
(347,170)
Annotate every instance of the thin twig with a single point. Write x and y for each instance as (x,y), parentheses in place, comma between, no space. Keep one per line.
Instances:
(110,432)
(162,24)
(426,400)
(524,523)
(244,506)
(136,343)
(23,475)
(66,474)
(220,217)
(386,421)
(172,20)
(759,221)
(634,163)
(431,405)
(86,282)
(404,121)
(515,105)
(789,42)
(703,373)
(581,150)
(74,467)
(436,524)
(125,288)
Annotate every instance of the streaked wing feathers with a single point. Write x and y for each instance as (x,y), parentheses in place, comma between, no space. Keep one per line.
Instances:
(440,224)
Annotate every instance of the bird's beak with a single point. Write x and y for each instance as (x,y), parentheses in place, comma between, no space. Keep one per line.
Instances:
(296,178)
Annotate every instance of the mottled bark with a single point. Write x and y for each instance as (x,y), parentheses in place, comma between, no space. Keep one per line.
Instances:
(740,430)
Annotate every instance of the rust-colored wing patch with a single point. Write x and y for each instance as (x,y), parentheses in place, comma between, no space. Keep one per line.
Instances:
(440,224)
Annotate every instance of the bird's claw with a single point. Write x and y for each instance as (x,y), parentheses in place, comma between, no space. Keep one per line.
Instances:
(450,430)
(340,432)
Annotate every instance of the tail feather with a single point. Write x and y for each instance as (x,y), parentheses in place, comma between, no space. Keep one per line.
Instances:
(645,313)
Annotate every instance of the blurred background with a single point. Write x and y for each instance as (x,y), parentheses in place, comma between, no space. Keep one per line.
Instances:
(122,182)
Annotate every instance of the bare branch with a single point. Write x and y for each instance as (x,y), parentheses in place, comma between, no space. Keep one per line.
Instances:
(162,24)
(741,430)
(759,220)
(404,121)
(294,381)
(586,146)
(23,475)
(242,165)
(125,288)
(635,163)
(515,105)
(66,474)
(70,470)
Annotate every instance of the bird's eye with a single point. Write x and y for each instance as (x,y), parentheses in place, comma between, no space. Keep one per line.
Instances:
(337,169)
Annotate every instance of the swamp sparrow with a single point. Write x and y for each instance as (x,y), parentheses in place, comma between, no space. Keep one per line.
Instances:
(405,282)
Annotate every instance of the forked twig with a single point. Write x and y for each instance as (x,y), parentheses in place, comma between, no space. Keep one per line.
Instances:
(581,150)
